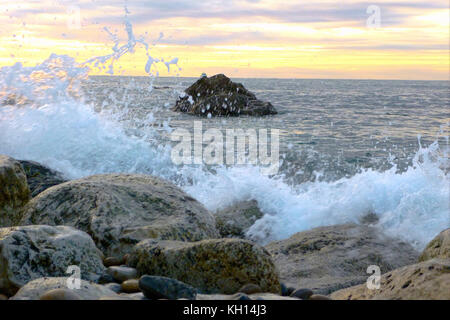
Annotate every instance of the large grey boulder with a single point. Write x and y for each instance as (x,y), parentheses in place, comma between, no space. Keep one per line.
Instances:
(439,247)
(31,252)
(428,280)
(40,177)
(212,266)
(119,210)
(234,221)
(219,96)
(327,259)
(33,290)
(14,191)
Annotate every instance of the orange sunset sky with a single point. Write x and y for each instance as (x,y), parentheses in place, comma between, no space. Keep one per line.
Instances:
(266,38)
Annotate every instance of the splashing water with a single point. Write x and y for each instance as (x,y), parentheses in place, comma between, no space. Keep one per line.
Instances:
(45,118)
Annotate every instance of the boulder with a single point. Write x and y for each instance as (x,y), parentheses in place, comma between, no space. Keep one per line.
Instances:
(327,259)
(439,247)
(35,289)
(212,266)
(14,191)
(428,280)
(234,221)
(119,210)
(219,96)
(40,177)
(32,252)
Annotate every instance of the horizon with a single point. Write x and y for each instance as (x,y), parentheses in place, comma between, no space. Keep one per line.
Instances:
(253,39)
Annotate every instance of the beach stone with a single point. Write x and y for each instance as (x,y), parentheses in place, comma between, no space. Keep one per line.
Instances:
(212,266)
(219,96)
(256,296)
(14,191)
(60,294)
(302,293)
(119,210)
(439,247)
(428,280)
(117,297)
(155,287)
(31,252)
(327,259)
(3,297)
(40,177)
(131,286)
(113,286)
(234,221)
(112,261)
(105,278)
(121,274)
(34,289)
(240,296)
(250,289)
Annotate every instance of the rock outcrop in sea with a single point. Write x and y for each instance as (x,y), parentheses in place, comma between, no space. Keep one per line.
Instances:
(219,96)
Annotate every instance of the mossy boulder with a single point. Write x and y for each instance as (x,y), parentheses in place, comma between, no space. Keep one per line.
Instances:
(119,210)
(212,266)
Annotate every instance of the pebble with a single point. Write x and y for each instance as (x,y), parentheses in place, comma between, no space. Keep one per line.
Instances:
(240,296)
(131,286)
(112,261)
(155,287)
(250,288)
(319,297)
(121,274)
(3,297)
(105,278)
(60,294)
(114,287)
(302,293)
(118,297)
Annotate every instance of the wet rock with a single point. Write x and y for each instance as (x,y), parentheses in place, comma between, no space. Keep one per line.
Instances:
(33,290)
(286,291)
(31,252)
(14,191)
(60,294)
(40,177)
(131,286)
(155,287)
(439,247)
(327,259)
(235,220)
(213,266)
(302,293)
(105,278)
(428,280)
(121,274)
(119,210)
(219,96)
(113,286)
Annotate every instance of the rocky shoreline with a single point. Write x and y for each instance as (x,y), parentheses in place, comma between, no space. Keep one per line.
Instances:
(142,238)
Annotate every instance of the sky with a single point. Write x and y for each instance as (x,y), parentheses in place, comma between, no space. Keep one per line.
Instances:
(347,39)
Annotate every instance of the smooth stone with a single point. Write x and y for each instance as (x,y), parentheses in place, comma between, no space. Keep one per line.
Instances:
(117,288)
(105,278)
(250,289)
(155,287)
(302,293)
(118,297)
(131,286)
(112,261)
(122,274)
(319,297)
(60,294)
